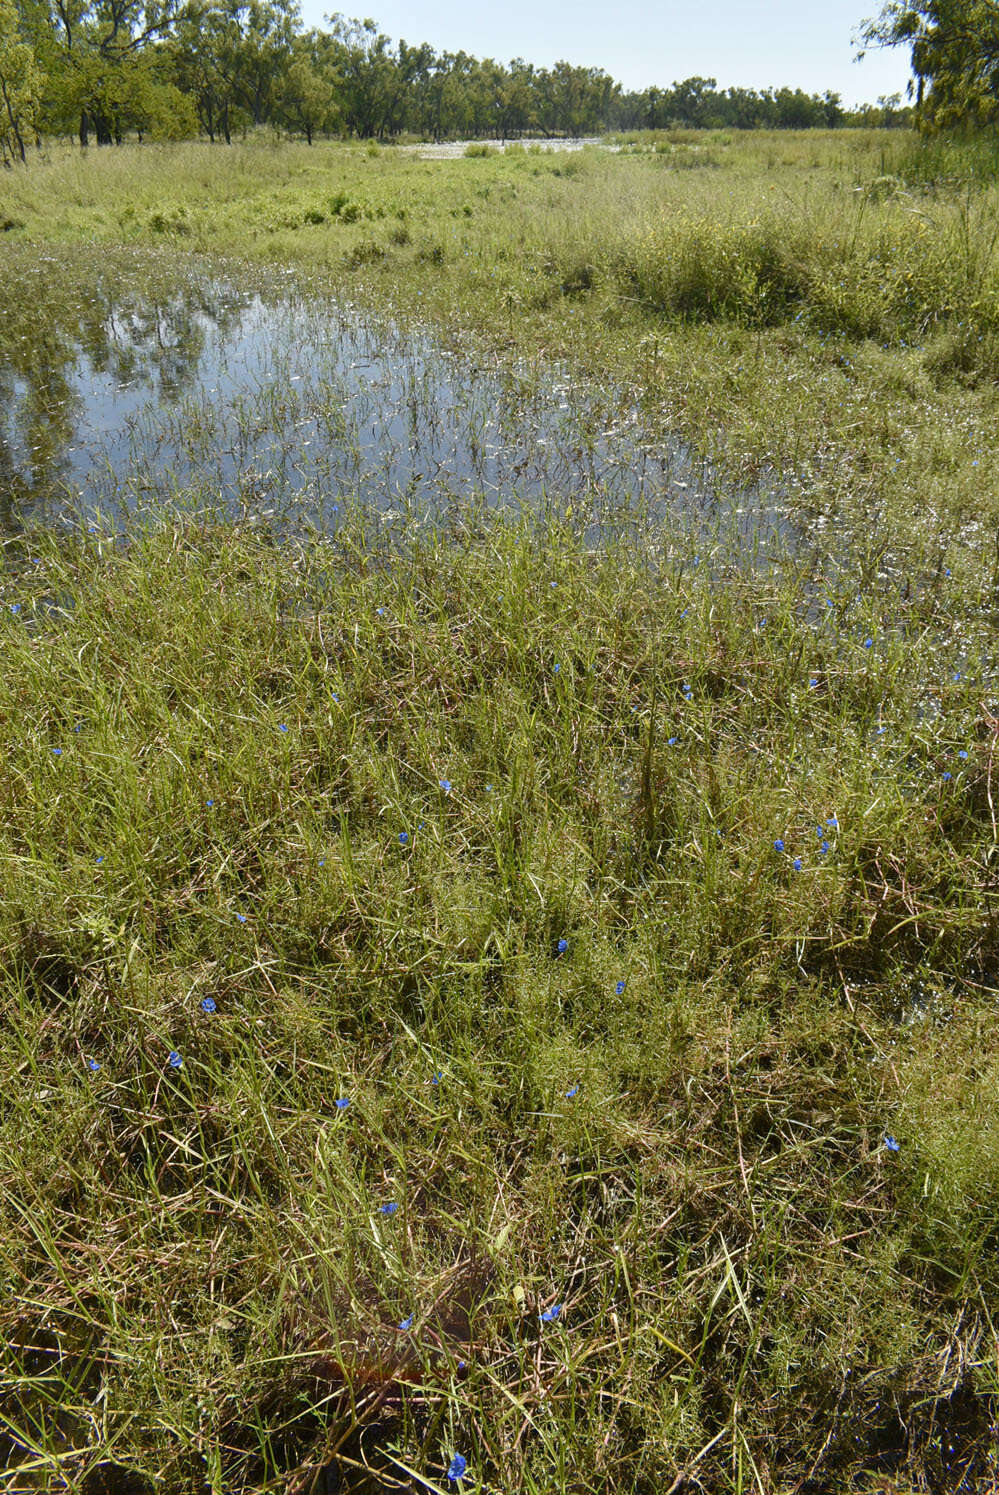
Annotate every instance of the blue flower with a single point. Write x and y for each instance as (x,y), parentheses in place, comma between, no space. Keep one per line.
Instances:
(823,848)
(489,788)
(342,1102)
(241,918)
(209,803)
(282,727)
(672,742)
(334,698)
(407,1323)
(796,864)
(403,837)
(436,1077)
(570,1093)
(446,785)
(557,668)
(619,988)
(15,607)
(208,1004)
(57,752)
(93,1066)
(946,776)
(99,861)
(778,844)
(563,946)
(962,752)
(380,611)
(868,643)
(389,1208)
(892,1145)
(551,1314)
(812,683)
(174,1059)
(832,821)
(458,1464)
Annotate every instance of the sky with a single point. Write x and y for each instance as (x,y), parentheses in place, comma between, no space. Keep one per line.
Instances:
(753,43)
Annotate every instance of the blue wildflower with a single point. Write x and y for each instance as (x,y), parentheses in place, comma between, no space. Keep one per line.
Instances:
(947,776)
(823,848)
(563,946)
(334,698)
(812,683)
(209,803)
(551,1314)
(868,643)
(619,988)
(282,727)
(99,861)
(446,785)
(459,1464)
(489,788)
(557,668)
(93,1066)
(436,1077)
(389,1208)
(962,752)
(892,1145)
(342,1102)
(778,844)
(15,607)
(570,1093)
(57,752)
(403,837)
(241,918)
(832,821)
(380,611)
(407,1323)
(208,1004)
(672,742)
(796,864)
(174,1059)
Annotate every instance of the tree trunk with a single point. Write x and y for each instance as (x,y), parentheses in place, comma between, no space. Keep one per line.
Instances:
(13,123)
(84,129)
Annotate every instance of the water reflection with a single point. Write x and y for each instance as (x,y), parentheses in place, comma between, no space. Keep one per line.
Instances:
(278,403)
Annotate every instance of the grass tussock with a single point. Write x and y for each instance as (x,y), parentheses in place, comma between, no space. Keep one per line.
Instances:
(400,948)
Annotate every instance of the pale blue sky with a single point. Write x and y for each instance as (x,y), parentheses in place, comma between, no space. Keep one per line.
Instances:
(803,43)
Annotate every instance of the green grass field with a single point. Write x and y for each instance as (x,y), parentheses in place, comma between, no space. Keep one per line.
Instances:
(504,995)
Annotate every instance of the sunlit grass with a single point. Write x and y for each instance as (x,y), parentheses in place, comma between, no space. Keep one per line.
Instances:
(410,933)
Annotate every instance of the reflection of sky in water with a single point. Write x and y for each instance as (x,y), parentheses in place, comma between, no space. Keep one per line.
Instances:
(289,406)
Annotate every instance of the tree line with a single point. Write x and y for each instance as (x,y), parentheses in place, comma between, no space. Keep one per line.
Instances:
(173,69)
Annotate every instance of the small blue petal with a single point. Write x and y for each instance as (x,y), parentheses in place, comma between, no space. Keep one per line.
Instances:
(407,1323)
(619,988)
(868,643)
(174,1059)
(962,752)
(570,1093)
(551,1314)
(778,844)
(459,1464)
(241,918)
(282,727)
(208,1004)
(892,1145)
(403,837)
(446,785)
(796,864)
(563,946)
(389,1208)
(342,1102)
(93,1066)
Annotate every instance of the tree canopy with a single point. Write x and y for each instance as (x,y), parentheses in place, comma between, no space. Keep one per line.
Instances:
(955,55)
(172,68)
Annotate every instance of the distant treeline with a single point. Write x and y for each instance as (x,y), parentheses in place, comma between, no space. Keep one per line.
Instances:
(104,69)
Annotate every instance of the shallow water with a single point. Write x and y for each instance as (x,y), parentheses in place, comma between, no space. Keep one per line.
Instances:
(279,404)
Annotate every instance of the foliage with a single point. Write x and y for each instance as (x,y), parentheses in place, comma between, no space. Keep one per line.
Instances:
(20,86)
(955,50)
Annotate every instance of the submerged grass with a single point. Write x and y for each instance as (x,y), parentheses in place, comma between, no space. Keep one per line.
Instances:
(399,948)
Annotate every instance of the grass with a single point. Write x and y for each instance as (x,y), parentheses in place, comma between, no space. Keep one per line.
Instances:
(639,902)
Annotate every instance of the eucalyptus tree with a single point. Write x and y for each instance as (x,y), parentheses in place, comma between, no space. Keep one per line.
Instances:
(21,83)
(954,47)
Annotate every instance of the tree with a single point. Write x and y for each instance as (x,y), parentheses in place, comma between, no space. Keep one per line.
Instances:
(20,85)
(954,47)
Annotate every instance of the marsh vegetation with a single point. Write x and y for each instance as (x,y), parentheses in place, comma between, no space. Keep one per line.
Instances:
(499,934)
